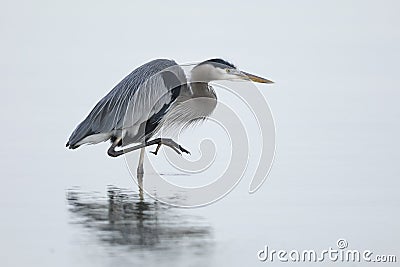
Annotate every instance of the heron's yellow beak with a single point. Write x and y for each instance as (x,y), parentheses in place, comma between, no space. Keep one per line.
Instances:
(255,78)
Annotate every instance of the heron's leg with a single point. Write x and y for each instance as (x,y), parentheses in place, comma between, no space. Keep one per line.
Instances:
(140,181)
(140,172)
(111,151)
(159,141)
(140,169)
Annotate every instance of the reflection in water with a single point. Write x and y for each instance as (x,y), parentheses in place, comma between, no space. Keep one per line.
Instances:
(124,219)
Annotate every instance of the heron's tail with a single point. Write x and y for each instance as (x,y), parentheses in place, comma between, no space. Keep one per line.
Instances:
(70,146)
(76,136)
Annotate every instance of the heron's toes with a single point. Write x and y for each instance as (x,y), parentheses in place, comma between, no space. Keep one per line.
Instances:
(173,145)
(184,150)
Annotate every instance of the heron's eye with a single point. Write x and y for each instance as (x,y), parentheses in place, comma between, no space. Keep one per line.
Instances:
(228,70)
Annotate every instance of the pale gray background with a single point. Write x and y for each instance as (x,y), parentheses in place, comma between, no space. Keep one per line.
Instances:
(336,64)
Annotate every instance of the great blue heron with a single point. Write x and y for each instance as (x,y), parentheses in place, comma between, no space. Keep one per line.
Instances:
(155,94)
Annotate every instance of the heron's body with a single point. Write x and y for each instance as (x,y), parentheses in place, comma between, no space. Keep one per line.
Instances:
(156,94)
(134,107)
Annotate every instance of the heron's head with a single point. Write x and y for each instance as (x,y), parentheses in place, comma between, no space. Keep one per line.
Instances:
(219,69)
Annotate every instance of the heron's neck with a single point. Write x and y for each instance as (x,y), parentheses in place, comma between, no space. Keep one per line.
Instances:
(199,78)
(202,89)
(203,74)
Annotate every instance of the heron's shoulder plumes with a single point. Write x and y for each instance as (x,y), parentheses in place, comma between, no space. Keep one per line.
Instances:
(218,62)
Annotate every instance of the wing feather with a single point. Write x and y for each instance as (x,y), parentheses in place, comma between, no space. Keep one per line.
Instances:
(132,101)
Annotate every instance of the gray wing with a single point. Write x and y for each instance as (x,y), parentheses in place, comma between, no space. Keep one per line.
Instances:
(144,93)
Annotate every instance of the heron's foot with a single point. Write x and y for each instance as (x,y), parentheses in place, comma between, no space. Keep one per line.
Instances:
(156,151)
(184,150)
(170,143)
